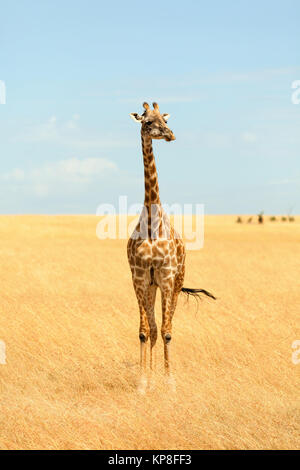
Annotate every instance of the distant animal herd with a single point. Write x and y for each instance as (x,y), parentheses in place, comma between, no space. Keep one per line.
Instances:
(261,219)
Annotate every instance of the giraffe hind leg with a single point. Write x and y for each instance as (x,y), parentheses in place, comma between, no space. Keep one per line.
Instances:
(143,336)
(166,327)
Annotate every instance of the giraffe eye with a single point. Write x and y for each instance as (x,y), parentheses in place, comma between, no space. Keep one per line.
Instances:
(149,123)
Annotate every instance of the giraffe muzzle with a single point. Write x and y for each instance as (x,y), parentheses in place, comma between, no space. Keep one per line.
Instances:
(170,137)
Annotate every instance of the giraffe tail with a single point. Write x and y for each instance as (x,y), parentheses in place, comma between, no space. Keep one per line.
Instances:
(196,292)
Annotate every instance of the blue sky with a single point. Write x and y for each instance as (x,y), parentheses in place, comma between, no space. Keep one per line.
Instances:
(74,70)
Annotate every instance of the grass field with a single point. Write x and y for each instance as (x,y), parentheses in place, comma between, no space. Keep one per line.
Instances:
(69,319)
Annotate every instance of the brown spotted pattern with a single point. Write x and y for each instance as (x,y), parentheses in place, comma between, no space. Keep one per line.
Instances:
(156,254)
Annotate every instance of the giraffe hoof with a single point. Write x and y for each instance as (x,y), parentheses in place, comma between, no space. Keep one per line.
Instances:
(168,337)
(142,337)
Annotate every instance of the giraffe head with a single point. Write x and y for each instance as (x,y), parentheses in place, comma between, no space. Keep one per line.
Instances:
(154,124)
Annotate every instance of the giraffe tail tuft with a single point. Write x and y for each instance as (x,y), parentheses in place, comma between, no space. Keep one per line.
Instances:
(196,292)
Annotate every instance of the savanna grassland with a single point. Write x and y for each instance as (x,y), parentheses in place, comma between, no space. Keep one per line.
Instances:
(69,320)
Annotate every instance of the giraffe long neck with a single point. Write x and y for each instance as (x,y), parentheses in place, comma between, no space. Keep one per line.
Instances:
(150,172)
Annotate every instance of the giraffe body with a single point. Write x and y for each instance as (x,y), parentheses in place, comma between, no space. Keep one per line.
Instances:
(156,264)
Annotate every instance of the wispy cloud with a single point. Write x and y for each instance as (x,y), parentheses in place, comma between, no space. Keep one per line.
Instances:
(249,137)
(73,122)
(72,173)
(285,181)
(173,89)
(263,74)
(69,134)
(44,132)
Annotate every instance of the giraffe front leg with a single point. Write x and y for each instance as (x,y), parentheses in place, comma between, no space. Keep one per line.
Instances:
(144,329)
(166,327)
(166,333)
(140,281)
(144,332)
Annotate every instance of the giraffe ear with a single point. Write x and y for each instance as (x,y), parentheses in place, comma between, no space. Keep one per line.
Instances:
(165,117)
(136,117)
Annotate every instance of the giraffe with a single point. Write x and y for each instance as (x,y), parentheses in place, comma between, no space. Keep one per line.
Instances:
(156,253)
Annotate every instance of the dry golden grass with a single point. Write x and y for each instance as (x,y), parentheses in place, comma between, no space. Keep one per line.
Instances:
(69,319)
